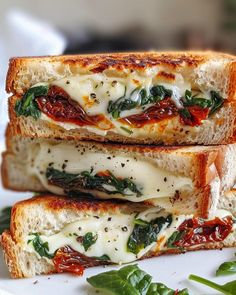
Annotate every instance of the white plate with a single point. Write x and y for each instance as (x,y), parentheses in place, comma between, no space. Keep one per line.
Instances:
(173,270)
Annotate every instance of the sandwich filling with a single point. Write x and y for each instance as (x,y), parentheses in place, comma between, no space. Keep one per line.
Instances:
(70,169)
(101,103)
(123,238)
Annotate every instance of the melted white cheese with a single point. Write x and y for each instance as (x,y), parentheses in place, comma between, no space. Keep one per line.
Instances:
(113,232)
(93,92)
(152,181)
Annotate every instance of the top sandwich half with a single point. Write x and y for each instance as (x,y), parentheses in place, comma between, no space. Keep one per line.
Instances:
(162,98)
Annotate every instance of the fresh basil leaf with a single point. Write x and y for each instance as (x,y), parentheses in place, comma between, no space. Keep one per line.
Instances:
(40,247)
(27,106)
(5,217)
(86,180)
(226,268)
(227,289)
(130,280)
(145,234)
(88,240)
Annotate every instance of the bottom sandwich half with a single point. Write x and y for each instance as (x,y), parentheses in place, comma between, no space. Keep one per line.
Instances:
(53,234)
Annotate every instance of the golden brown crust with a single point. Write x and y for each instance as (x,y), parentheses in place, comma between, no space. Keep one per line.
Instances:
(119,61)
(57,203)
(9,250)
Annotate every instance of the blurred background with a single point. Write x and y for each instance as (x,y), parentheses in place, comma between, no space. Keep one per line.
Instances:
(84,26)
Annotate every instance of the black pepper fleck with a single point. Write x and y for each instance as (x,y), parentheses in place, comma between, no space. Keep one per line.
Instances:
(124,228)
(165,179)
(93,95)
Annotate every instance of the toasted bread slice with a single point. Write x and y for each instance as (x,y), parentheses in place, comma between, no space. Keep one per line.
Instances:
(53,215)
(102,118)
(179,179)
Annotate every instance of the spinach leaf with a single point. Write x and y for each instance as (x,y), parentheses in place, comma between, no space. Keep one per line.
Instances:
(145,233)
(159,288)
(27,106)
(193,100)
(175,237)
(87,180)
(88,240)
(40,247)
(157,93)
(126,130)
(130,280)
(213,103)
(217,101)
(102,258)
(5,217)
(227,289)
(226,268)
(185,113)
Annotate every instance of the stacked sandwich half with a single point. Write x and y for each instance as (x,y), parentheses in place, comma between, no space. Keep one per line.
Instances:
(133,156)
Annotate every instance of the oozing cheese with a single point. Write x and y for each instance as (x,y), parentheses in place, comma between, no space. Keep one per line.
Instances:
(112,232)
(93,92)
(151,181)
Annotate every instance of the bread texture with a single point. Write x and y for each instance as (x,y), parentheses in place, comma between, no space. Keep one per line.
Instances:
(204,70)
(209,69)
(208,168)
(48,214)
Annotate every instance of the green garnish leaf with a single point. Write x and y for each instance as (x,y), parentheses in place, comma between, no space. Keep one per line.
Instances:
(88,240)
(213,103)
(126,130)
(87,180)
(130,280)
(217,101)
(102,258)
(185,113)
(5,218)
(227,289)
(175,237)
(226,268)
(157,93)
(27,106)
(40,247)
(145,233)
(193,100)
